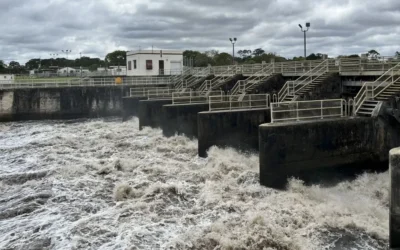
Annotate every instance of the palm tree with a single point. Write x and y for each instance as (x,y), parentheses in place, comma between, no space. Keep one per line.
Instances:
(373,53)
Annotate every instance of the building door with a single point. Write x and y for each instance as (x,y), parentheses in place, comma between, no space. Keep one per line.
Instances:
(161,67)
(176,68)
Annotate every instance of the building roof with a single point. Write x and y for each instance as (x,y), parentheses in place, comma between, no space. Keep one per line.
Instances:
(165,52)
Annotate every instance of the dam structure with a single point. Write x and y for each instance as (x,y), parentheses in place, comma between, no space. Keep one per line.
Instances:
(299,115)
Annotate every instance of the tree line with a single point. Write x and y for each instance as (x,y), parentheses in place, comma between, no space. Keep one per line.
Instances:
(196,59)
(115,58)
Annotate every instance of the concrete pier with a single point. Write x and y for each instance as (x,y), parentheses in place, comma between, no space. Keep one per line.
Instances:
(234,128)
(394,221)
(130,106)
(61,103)
(182,119)
(292,149)
(151,113)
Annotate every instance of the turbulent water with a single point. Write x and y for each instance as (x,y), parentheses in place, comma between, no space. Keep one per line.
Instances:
(103,184)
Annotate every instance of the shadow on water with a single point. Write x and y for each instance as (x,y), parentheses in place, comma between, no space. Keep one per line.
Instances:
(329,177)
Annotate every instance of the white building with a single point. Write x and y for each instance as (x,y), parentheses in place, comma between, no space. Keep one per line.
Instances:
(7,78)
(66,70)
(118,70)
(154,62)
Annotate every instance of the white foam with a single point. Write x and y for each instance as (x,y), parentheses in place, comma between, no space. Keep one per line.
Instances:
(178,200)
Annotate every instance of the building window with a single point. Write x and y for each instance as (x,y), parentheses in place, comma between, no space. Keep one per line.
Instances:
(134,64)
(149,64)
(129,65)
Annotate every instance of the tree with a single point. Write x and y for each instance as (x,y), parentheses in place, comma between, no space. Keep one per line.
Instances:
(397,54)
(223,59)
(2,64)
(14,65)
(258,52)
(115,58)
(314,56)
(32,64)
(244,54)
(373,53)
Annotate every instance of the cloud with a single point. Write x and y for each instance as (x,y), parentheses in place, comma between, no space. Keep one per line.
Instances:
(96,27)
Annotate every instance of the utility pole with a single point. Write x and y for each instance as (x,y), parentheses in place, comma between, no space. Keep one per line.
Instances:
(305,38)
(233,41)
(67,52)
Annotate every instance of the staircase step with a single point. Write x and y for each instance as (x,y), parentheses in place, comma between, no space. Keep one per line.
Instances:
(364,113)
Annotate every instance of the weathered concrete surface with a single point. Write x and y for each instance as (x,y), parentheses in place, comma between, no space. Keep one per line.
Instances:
(236,128)
(394,221)
(130,106)
(151,113)
(60,103)
(182,119)
(290,149)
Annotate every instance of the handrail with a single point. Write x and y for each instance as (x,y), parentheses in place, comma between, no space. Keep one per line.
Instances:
(193,97)
(242,85)
(310,74)
(391,76)
(252,101)
(305,110)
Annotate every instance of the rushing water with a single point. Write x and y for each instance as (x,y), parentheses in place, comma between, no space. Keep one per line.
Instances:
(103,184)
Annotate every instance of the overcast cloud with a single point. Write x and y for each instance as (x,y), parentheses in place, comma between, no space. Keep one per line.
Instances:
(95,27)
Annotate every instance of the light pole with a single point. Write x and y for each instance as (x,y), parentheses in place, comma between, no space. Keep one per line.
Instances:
(52,57)
(67,51)
(233,41)
(305,39)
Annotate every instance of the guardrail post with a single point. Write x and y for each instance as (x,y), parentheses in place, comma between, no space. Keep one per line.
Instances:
(272,113)
(322,111)
(297,111)
(250,101)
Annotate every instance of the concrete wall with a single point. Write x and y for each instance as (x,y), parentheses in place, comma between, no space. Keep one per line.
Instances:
(130,106)
(151,113)
(182,119)
(294,148)
(60,103)
(238,129)
(394,221)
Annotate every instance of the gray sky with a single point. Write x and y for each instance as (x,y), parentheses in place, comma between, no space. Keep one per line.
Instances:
(95,27)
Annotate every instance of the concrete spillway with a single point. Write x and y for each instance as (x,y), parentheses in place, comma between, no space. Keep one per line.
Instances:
(60,103)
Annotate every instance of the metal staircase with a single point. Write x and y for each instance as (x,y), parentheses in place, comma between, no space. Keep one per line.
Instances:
(308,81)
(246,86)
(218,81)
(372,94)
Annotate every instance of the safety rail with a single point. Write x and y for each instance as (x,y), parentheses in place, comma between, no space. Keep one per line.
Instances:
(205,86)
(365,93)
(286,90)
(143,92)
(292,87)
(193,97)
(253,101)
(242,85)
(311,75)
(308,110)
(84,82)
(386,80)
(160,93)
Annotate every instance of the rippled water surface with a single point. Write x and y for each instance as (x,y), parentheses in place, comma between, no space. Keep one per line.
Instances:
(103,184)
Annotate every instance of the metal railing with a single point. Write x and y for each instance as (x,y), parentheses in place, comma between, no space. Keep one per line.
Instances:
(308,110)
(256,101)
(84,82)
(365,93)
(193,97)
(143,92)
(261,75)
(159,94)
(372,90)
